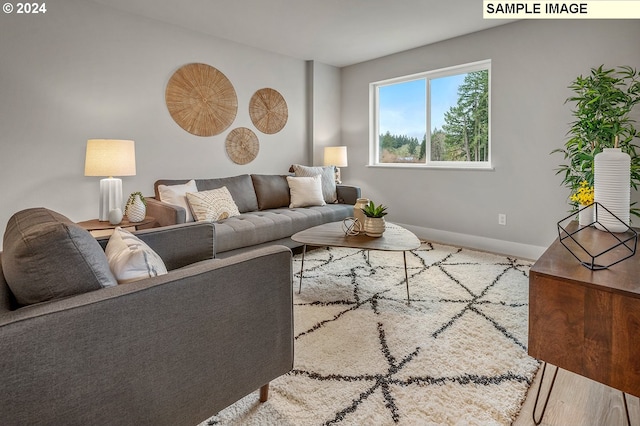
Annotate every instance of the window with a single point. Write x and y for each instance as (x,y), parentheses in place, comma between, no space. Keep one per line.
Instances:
(453,103)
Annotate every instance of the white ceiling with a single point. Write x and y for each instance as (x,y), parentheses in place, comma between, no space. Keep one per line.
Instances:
(334,32)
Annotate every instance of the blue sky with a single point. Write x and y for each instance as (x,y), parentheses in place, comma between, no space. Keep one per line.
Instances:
(403,105)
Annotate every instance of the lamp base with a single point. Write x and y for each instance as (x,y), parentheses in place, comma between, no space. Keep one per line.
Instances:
(110,196)
(338,176)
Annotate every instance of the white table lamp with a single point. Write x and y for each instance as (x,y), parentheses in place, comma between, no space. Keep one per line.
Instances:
(336,156)
(110,157)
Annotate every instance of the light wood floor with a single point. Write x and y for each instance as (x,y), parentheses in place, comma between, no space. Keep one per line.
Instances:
(577,401)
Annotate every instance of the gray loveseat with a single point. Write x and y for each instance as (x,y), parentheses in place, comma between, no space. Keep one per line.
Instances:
(265,217)
(168,350)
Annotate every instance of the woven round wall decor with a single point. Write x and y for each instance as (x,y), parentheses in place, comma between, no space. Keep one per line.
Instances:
(242,145)
(201,99)
(268,111)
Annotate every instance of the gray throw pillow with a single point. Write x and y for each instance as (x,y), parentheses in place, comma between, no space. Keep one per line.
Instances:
(46,256)
(240,187)
(328,179)
(272,191)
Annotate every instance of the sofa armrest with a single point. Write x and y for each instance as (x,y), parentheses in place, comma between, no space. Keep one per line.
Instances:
(165,214)
(173,349)
(347,194)
(178,245)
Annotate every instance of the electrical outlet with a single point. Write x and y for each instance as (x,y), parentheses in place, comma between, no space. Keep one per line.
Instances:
(502,219)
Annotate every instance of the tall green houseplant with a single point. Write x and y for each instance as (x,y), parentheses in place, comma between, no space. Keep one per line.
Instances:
(603,101)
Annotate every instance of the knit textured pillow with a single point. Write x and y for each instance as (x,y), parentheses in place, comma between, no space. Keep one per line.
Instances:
(328,179)
(212,205)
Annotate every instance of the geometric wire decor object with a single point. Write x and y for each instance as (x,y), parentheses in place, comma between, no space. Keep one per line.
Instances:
(268,111)
(242,145)
(597,249)
(201,99)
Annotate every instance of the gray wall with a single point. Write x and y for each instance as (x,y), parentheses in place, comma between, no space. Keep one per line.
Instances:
(533,62)
(86,71)
(325,114)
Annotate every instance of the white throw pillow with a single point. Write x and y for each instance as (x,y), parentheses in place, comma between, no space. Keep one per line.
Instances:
(130,259)
(328,175)
(212,205)
(305,191)
(177,195)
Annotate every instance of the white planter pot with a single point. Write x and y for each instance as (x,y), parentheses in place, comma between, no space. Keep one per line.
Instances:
(612,188)
(374,226)
(136,210)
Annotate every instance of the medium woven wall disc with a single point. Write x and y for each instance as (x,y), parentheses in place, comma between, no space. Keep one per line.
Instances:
(242,145)
(268,111)
(201,99)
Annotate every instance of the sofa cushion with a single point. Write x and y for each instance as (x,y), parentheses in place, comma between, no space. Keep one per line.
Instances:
(177,195)
(240,187)
(130,259)
(46,256)
(260,227)
(328,179)
(212,205)
(272,191)
(305,191)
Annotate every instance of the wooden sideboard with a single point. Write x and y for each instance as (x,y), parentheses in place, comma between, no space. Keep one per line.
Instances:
(585,321)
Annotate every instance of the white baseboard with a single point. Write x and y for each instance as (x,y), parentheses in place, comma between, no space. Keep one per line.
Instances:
(523,251)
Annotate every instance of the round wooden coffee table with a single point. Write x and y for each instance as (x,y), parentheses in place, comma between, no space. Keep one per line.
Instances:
(395,238)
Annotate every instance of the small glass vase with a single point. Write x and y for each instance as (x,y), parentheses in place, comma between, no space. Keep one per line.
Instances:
(361,203)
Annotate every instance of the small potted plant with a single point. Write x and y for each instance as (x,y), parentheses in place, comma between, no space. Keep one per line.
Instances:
(374,224)
(136,207)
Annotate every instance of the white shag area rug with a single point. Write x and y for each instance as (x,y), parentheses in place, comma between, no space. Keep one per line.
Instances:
(455,356)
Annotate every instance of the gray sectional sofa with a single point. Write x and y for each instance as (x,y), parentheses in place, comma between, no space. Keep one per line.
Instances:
(77,349)
(265,217)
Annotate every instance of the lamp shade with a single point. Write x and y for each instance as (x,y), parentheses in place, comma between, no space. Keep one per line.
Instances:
(335,156)
(110,157)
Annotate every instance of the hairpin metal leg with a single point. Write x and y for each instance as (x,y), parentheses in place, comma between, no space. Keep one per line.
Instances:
(304,250)
(626,408)
(535,405)
(406,276)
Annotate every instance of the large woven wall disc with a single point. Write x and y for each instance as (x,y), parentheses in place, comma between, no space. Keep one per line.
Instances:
(268,111)
(201,99)
(242,145)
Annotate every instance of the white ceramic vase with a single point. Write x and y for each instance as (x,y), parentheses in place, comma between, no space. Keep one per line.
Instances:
(374,226)
(358,213)
(136,210)
(612,188)
(585,215)
(115,216)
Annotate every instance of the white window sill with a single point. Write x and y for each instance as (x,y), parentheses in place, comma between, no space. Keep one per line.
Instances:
(478,167)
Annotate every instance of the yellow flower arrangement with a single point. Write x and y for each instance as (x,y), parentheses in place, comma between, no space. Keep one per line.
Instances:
(584,196)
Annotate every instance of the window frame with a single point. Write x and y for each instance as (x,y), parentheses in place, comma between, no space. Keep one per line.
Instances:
(374,118)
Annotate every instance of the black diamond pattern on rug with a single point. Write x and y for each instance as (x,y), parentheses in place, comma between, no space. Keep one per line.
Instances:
(455,355)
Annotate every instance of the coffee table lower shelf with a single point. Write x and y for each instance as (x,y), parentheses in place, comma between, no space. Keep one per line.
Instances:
(395,238)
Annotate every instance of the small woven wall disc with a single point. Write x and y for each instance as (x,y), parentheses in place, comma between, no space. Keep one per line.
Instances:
(242,145)
(268,111)
(201,99)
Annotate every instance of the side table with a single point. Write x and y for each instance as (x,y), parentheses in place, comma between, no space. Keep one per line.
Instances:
(585,321)
(99,228)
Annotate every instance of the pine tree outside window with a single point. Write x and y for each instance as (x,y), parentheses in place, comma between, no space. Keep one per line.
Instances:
(453,103)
